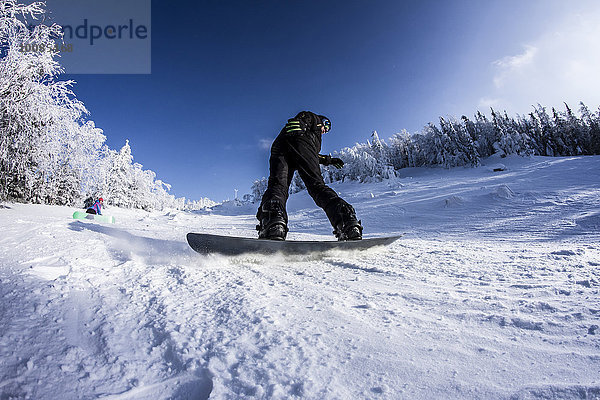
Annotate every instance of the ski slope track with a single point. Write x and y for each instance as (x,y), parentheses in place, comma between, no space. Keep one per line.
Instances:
(492,293)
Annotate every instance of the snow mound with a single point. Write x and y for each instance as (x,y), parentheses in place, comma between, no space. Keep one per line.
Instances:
(454,201)
(503,192)
(589,221)
(496,168)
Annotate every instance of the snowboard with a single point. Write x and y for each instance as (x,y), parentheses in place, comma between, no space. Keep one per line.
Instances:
(205,243)
(95,217)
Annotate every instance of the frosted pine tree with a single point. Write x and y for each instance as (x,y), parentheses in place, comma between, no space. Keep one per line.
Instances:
(362,166)
(401,150)
(378,148)
(511,138)
(561,142)
(205,202)
(592,126)
(90,159)
(141,186)
(25,81)
(161,198)
(258,189)
(297,185)
(436,146)
(66,186)
(119,183)
(381,152)
(418,144)
(543,135)
(43,145)
(460,147)
(148,192)
(575,131)
(482,133)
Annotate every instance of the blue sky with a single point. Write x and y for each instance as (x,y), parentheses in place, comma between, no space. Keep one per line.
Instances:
(226,75)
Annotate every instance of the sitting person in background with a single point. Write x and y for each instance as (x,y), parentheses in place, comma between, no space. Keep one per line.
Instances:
(97,207)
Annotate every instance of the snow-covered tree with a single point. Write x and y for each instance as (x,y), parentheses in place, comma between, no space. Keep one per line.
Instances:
(201,204)
(542,139)
(364,162)
(36,110)
(118,188)
(124,183)
(296,184)
(258,189)
(436,146)
(512,139)
(402,150)
(484,135)
(461,149)
(592,130)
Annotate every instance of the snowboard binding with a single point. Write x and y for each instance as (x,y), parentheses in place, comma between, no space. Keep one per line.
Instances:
(346,225)
(349,231)
(273,221)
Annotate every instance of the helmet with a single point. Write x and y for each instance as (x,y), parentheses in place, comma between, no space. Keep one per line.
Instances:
(326,122)
(100,199)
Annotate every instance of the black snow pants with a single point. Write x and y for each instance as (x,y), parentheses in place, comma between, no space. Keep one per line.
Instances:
(291,153)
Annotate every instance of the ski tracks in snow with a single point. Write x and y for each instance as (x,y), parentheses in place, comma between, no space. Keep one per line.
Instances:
(450,319)
(132,316)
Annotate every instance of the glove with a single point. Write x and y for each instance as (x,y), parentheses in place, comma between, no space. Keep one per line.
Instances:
(328,160)
(325,160)
(295,126)
(337,162)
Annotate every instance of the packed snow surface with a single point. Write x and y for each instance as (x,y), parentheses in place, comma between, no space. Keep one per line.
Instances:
(492,293)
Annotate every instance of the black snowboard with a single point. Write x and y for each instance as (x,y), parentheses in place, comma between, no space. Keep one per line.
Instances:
(205,243)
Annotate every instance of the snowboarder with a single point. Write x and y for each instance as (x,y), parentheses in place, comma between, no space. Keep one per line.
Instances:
(297,148)
(96,208)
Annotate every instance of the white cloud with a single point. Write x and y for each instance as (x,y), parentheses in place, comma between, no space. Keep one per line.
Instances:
(561,65)
(514,65)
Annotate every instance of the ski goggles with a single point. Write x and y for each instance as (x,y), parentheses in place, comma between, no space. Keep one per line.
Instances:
(327,124)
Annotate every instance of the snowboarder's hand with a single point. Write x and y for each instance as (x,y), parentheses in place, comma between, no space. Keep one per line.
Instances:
(325,160)
(295,126)
(337,162)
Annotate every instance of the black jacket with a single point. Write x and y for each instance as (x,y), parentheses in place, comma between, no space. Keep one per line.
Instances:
(311,124)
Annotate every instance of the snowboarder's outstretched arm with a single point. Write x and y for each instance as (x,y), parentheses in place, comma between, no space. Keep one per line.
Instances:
(328,160)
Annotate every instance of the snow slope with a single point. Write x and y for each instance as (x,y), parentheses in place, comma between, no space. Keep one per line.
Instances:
(493,293)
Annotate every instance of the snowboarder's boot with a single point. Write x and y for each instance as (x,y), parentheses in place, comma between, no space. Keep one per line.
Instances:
(273,221)
(343,218)
(350,231)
